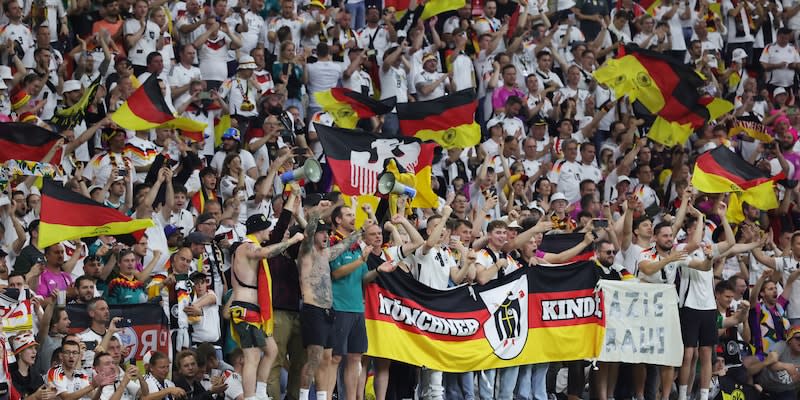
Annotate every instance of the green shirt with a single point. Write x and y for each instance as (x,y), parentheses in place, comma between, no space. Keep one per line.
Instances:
(348,293)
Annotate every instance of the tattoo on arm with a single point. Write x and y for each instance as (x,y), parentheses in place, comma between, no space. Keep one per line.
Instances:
(311,228)
(345,244)
(276,249)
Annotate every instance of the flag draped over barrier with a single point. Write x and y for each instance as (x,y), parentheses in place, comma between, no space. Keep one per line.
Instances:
(149,330)
(533,315)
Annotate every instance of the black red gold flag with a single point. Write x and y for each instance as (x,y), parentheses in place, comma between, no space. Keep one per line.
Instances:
(67,215)
(448,120)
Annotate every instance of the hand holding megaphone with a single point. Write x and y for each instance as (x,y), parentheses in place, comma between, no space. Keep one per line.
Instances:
(387,184)
(311,170)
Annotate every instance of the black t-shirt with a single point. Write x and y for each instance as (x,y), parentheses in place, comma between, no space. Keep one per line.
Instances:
(25,385)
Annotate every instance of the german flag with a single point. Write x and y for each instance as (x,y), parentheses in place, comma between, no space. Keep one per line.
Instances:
(448,120)
(667,89)
(21,141)
(347,106)
(496,325)
(750,126)
(564,241)
(67,118)
(723,171)
(67,215)
(200,199)
(146,109)
(357,158)
(650,6)
(436,7)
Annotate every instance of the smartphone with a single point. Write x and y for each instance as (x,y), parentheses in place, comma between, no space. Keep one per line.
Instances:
(204,95)
(124,323)
(39,260)
(237,9)
(122,172)
(600,223)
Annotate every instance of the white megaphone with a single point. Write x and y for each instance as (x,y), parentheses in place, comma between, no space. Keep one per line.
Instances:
(311,170)
(387,184)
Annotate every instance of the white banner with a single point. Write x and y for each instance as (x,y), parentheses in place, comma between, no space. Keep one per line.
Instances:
(642,323)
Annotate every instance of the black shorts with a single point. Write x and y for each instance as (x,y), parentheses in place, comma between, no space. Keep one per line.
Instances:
(351,333)
(318,326)
(698,327)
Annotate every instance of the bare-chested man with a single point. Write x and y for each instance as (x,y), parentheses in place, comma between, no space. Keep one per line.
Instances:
(255,335)
(316,316)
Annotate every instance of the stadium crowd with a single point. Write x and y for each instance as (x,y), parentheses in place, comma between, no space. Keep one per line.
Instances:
(559,153)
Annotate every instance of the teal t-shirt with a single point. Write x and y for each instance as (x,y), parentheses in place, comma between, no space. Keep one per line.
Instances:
(348,295)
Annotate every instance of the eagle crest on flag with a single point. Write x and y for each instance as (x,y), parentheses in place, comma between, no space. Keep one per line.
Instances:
(365,166)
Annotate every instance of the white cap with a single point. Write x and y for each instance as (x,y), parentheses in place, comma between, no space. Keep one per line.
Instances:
(247,62)
(738,55)
(558,196)
(623,178)
(534,205)
(71,85)
(778,90)
(5,72)
(3,85)
(493,122)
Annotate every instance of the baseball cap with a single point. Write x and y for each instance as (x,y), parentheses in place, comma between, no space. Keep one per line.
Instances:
(428,57)
(196,238)
(493,122)
(231,133)
(778,91)
(324,227)
(623,178)
(170,230)
(257,223)
(71,86)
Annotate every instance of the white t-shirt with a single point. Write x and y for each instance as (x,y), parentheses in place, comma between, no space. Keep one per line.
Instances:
(426,78)
(322,75)
(434,267)
(144,46)
(787,265)
(463,73)
(394,82)
(774,54)
(566,175)
(180,76)
(697,287)
(666,275)
(485,260)
(213,57)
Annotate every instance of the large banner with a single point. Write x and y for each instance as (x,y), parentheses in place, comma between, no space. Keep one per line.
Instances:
(533,315)
(149,330)
(642,323)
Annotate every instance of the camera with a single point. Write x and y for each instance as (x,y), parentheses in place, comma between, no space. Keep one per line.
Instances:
(237,9)
(39,260)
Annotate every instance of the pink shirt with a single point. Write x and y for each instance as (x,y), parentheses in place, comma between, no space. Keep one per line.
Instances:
(501,94)
(50,281)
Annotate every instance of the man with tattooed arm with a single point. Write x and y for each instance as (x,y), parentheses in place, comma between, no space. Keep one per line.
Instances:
(255,335)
